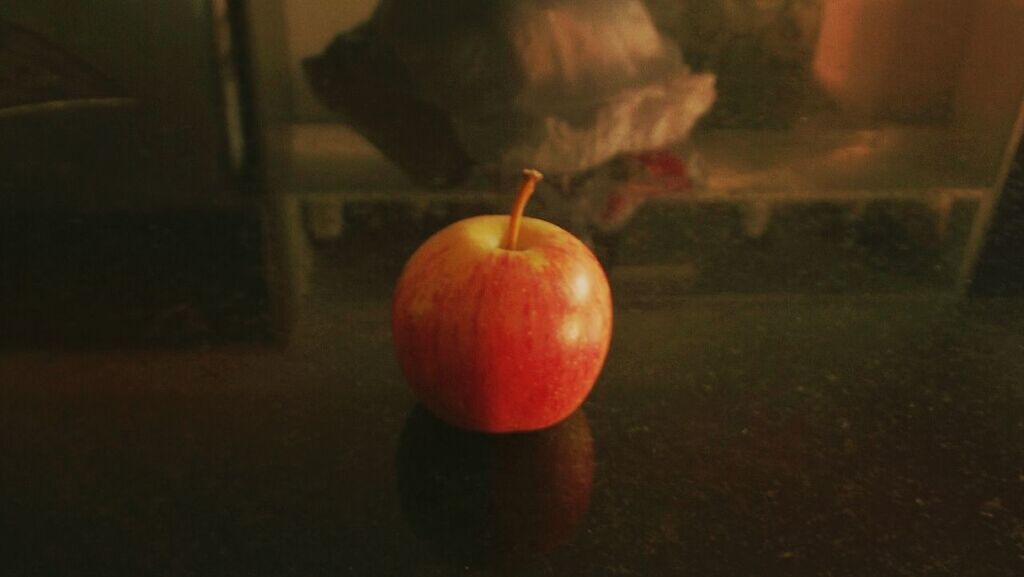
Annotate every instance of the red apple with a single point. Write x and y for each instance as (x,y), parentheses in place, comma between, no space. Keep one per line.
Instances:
(502,323)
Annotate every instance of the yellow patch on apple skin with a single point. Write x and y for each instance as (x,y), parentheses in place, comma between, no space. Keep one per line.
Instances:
(534,259)
(456,252)
(581,288)
(571,330)
(481,232)
(451,254)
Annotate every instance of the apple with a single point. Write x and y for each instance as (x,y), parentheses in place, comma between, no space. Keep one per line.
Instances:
(494,501)
(502,323)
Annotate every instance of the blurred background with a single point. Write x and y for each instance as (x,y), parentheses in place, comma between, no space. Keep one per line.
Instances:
(811,213)
(206,171)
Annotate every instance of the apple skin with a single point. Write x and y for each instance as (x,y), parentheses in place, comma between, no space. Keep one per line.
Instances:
(499,340)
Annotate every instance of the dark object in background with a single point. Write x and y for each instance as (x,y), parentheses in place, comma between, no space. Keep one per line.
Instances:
(562,87)
(119,226)
(365,84)
(34,71)
(126,117)
(182,279)
(761,52)
(1000,270)
(65,125)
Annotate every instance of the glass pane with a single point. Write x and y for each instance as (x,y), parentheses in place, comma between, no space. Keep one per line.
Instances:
(701,146)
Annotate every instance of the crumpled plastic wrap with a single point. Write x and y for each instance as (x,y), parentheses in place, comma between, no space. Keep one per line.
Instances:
(635,120)
(446,88)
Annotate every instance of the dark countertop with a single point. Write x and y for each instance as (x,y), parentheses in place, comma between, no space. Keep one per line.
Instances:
(774,435)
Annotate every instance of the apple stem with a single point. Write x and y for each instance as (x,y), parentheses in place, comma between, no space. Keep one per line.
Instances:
(526,186)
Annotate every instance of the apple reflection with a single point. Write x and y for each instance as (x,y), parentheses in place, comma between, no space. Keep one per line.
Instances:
(494,500)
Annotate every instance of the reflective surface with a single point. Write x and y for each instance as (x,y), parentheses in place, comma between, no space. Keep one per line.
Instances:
(495,501)
(796,436)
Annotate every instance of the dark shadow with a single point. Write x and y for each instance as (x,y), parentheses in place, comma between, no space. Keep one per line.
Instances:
(1000,270)
(172,279)
(500,501)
